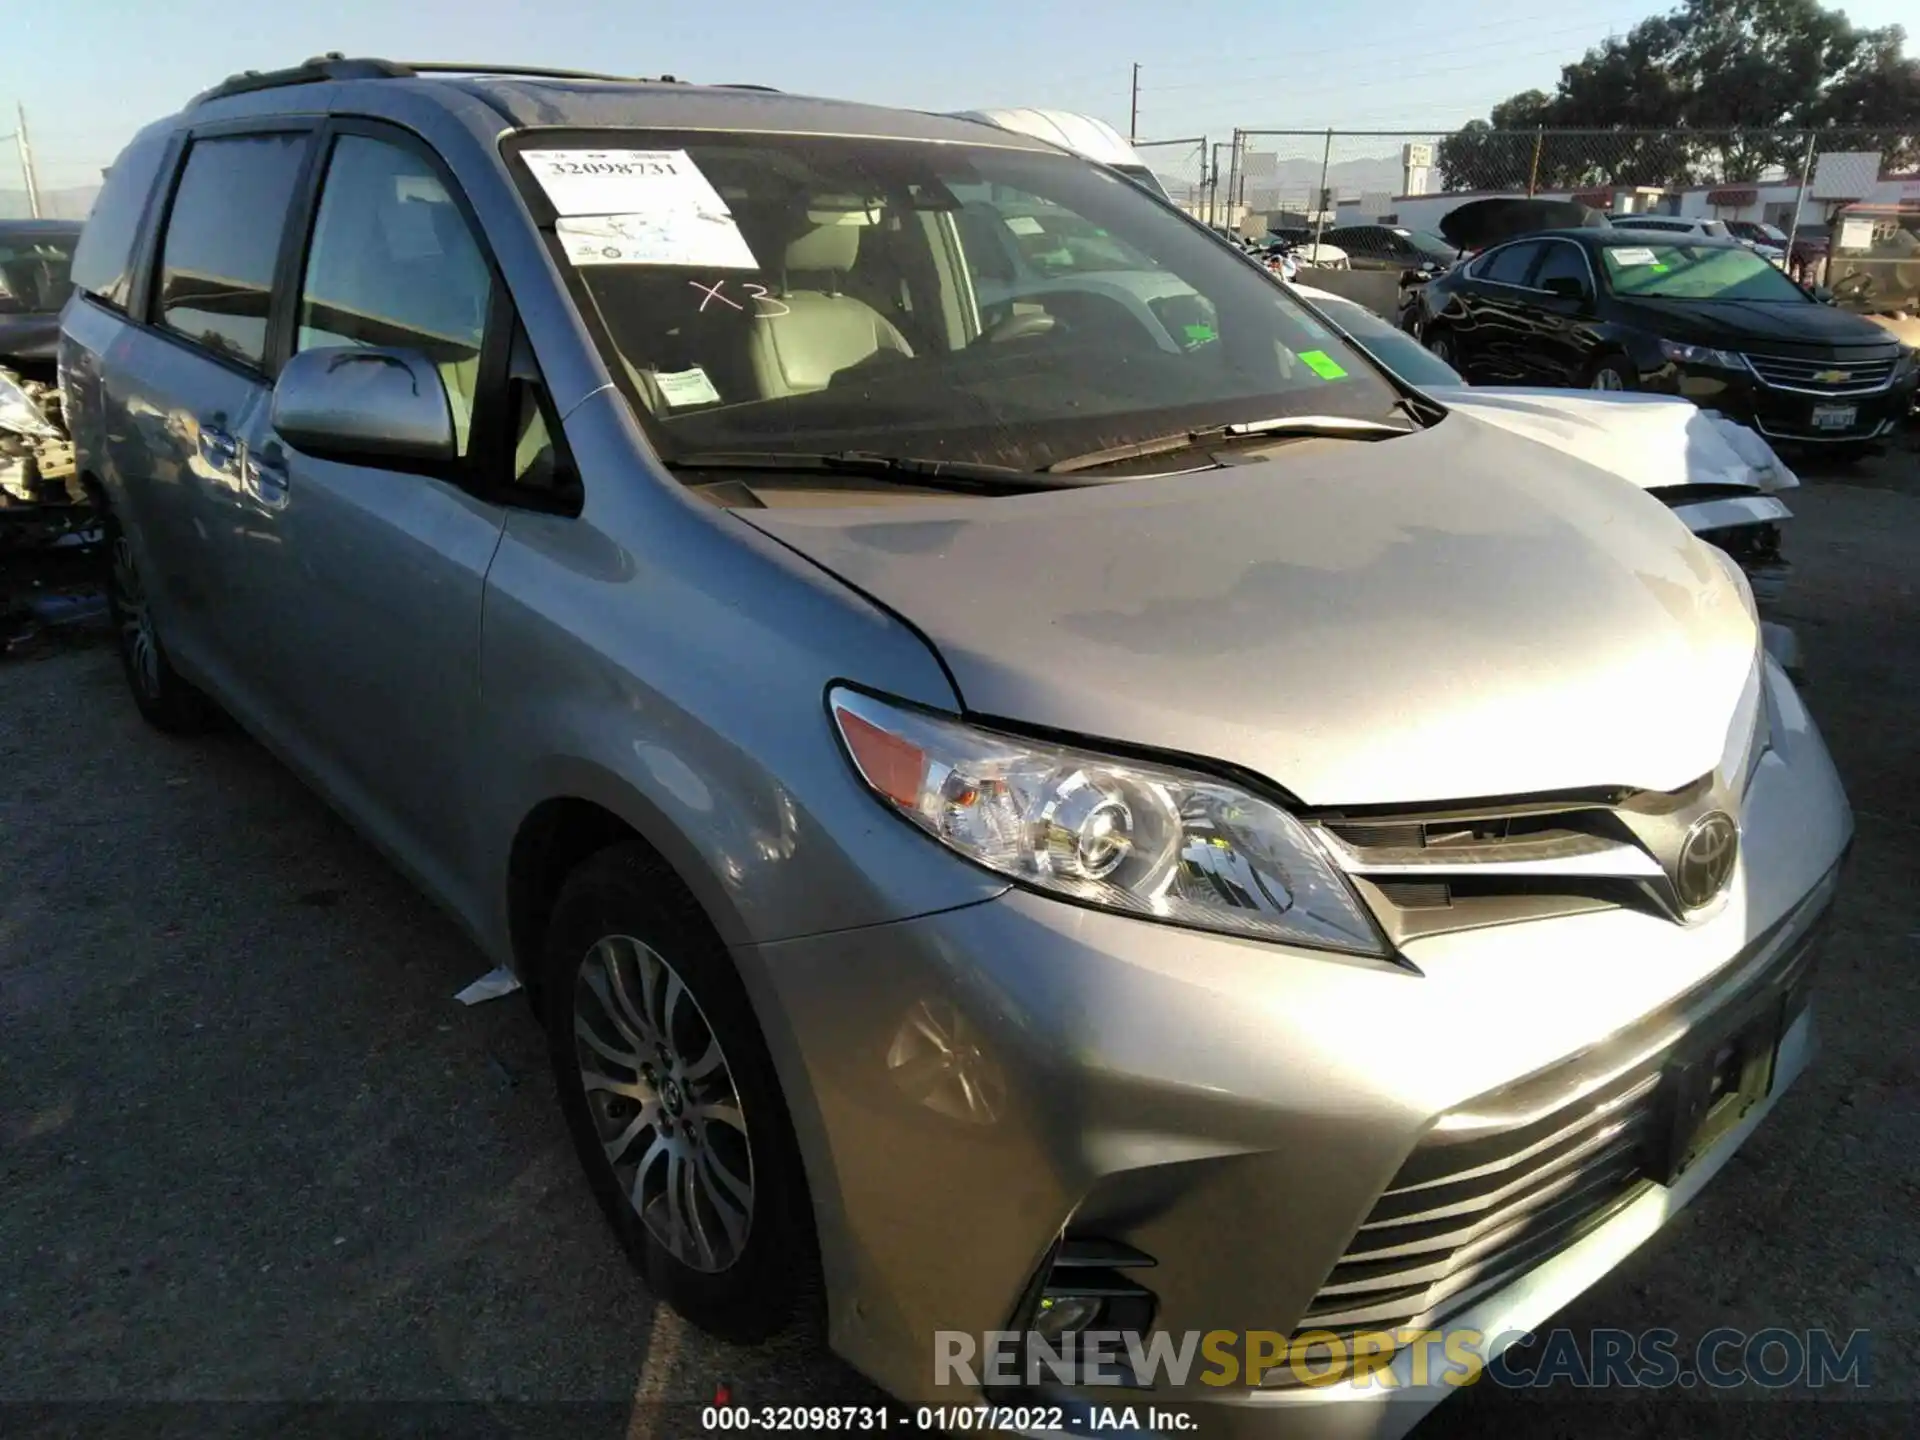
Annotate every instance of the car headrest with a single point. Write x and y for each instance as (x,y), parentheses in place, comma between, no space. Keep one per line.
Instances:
(830,247)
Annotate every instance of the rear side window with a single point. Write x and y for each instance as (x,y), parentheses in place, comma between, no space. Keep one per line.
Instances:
(223,237)
(103,263)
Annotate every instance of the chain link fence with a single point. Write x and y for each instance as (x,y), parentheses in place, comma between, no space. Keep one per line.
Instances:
(1182,166)
(1807,183)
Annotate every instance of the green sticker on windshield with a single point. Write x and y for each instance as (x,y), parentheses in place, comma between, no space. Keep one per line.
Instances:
(1200,334)
(1323,364)
(1658,266)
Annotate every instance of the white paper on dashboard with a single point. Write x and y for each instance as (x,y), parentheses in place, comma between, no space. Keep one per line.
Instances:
(1856,234)
(660,237)
(617,182)
(1633,255)
(685,387)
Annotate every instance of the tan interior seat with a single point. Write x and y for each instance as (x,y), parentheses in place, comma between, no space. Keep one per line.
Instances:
(822,330)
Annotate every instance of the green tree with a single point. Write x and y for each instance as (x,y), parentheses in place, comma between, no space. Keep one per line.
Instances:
(1721,79)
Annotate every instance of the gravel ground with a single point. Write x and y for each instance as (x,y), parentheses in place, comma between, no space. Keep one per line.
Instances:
(251,1151)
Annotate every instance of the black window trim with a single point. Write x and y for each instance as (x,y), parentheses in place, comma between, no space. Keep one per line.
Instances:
(148,286)
(159,185)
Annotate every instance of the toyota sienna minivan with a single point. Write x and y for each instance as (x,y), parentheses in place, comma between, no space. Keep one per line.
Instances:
(1013,818)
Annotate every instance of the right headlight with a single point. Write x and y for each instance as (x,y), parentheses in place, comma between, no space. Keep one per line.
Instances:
(1126,835)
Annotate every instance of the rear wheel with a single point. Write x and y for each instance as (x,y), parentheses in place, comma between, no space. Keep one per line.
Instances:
(671,1098)
(164,700)
(1613,373)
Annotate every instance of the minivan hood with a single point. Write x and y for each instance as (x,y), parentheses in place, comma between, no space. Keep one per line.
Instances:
(1454,615)
(1734,323)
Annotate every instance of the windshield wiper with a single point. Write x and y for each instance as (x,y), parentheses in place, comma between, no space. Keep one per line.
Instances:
(966,477)
(1336,427)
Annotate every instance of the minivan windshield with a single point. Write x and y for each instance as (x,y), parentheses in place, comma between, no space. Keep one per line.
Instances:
(1683,271)
(979,303)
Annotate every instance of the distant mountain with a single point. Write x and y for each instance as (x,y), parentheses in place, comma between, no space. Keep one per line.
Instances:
(72,203)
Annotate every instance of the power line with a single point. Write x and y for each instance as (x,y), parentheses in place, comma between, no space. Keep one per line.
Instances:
(1399,77)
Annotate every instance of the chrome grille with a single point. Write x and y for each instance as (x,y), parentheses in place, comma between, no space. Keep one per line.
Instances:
(1463,1218)
(1863,376)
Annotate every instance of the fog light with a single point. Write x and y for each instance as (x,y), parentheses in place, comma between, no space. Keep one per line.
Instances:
(1066,1315)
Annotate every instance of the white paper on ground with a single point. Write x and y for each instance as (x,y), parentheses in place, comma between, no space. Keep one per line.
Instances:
(660,237)
(685,387)
(490,986)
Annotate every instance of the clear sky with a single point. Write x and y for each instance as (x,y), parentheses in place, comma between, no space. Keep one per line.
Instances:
(90,72)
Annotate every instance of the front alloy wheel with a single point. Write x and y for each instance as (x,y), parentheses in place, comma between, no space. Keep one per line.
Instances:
(672,1098)
(664,1103)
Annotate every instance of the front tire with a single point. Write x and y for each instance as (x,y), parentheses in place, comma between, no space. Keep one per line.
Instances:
(1612,375)
(1444,347)
(671,1098)
(165,701)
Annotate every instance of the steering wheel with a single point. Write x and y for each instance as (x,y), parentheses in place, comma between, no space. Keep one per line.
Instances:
(1857,286)
(1023,326)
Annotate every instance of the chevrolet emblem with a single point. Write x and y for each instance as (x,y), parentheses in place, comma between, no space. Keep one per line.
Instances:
(1830,377)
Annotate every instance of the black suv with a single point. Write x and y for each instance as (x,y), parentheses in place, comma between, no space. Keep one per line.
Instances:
(1619,309)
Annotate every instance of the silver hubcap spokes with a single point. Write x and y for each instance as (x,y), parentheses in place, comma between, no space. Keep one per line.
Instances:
(1608,380)
(664,1104)
(136,622)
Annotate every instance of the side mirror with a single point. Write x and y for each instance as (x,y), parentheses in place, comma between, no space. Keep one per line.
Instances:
(349,403)
(1822,295)
(1567,287)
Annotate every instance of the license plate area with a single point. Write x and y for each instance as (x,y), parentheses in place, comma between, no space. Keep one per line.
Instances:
(1710,1084)
(1835,417)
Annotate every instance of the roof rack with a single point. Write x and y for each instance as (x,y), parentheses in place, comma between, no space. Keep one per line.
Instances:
(335,66)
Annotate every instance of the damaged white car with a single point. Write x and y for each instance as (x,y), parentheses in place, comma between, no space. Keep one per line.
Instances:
(1720,477)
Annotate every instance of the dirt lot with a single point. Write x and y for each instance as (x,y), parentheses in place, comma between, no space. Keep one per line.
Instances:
(253,1152)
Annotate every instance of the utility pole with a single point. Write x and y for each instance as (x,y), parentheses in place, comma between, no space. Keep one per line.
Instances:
(26,162)
(1133,107)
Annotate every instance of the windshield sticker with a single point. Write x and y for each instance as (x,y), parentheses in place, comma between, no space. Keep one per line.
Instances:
(1856,234)
(1323,364)
(1025,225)
(1632,255)
(1199,334)
(685,387)
(660,237)
(618,182)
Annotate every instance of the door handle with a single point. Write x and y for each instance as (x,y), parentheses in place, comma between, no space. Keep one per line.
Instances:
(218,448)
(266,478)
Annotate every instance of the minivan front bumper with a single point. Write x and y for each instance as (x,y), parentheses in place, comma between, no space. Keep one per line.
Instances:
(969,1086)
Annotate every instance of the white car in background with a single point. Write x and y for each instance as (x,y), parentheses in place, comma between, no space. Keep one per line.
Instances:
(1083,134)
(1721,478)
(1775,255)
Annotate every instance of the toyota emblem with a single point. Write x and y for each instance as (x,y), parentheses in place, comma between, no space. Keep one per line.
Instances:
(1707,855)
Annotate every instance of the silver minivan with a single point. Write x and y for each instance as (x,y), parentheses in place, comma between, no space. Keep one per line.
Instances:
(1015,820)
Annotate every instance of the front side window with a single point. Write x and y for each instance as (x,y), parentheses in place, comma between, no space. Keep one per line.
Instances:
(223,237)
(812,293)
(393,263)
(1680,270)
